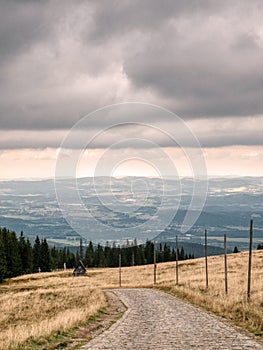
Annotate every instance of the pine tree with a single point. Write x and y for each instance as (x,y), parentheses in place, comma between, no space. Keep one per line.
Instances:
(141,256)
(14,265)
(44,256)
(81,255)
(166,253)
(135,253)
(107,253)
(148,252)
(173,255)
(71,259)
(114,259)
(99,257)
(2,259)
(160,253)
(37,255)
(62,258)
(54,258)
(25,251)
(182,255)
(89,256)
(124,257)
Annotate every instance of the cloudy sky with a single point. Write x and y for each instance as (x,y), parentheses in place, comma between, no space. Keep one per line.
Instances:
(61,60)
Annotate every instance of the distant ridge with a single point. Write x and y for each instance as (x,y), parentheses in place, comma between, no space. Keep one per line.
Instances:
(196,249)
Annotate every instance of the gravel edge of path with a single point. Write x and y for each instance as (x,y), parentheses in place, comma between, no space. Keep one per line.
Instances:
(115,311)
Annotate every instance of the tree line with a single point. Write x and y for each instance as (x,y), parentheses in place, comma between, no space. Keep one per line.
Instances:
(131,254)
(18,256)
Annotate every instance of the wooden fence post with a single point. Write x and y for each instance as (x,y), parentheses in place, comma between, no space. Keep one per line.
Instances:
(177,258)
(225,256)
(119,270)
(206,263)
(154,262)
(249,260)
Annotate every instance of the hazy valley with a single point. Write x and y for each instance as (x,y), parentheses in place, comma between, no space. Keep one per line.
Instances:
(32,206)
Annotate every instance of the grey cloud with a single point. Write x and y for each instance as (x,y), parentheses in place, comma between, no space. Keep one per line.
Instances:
(22,24)
(209,77)
(247,41)
(25,23)
(117,18)
(61,60)
(137,136)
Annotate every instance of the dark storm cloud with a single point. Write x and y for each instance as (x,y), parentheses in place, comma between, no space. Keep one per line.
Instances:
(61,60)
(22,24)
(210,77)
(119,18)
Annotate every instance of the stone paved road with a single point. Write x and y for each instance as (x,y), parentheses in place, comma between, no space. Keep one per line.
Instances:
(155,320)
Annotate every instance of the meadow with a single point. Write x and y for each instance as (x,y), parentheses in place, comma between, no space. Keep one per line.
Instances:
(39,306)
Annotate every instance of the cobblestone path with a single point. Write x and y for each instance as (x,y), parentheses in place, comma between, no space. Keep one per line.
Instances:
(155,320)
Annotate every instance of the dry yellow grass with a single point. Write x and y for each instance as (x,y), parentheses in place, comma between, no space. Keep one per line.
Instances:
(36,306)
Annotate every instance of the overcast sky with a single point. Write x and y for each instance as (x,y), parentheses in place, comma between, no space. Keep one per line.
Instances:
(61,60)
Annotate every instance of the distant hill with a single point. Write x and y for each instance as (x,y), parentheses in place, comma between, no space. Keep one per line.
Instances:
(196,249)
(32,207)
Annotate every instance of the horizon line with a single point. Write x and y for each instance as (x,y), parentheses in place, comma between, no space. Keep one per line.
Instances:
(168,177)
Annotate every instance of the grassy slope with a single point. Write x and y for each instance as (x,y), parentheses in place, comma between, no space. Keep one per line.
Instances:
(37,306)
